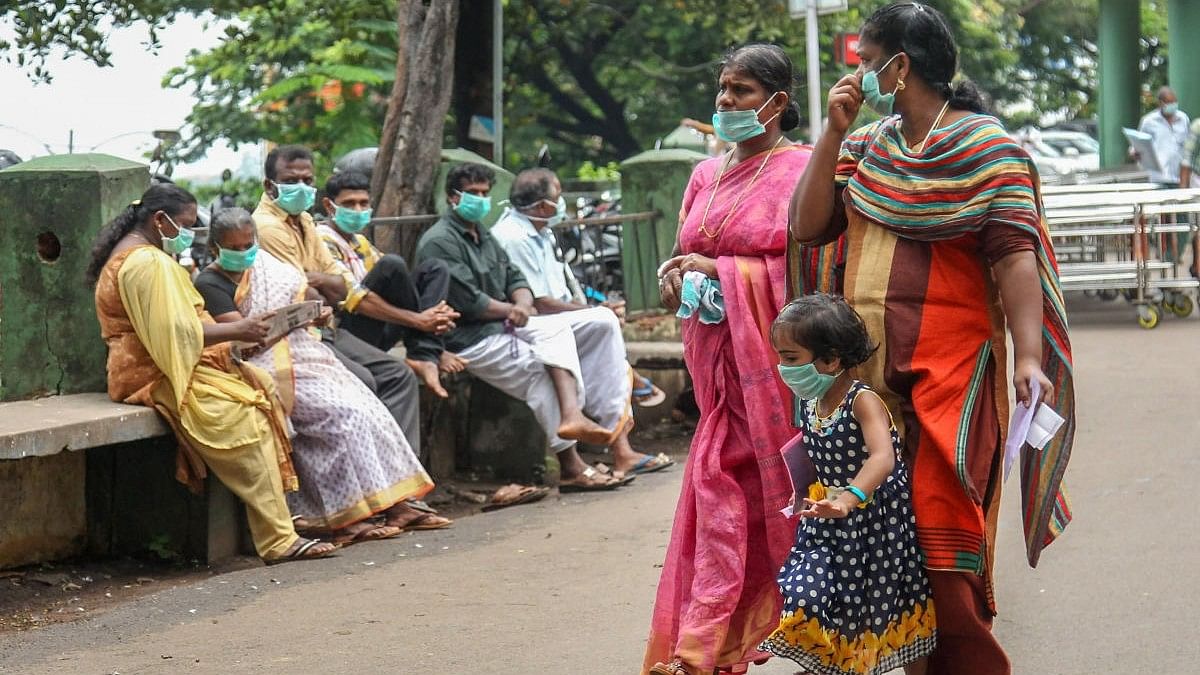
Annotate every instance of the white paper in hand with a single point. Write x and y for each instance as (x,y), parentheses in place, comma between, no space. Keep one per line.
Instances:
(1045,424)
(1018,428)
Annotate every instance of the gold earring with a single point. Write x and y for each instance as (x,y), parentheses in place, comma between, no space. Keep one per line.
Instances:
(899,84)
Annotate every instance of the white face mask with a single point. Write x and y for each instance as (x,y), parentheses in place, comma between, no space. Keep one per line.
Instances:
(560,212)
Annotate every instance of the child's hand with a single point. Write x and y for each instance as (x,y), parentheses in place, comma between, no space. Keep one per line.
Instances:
(826,508)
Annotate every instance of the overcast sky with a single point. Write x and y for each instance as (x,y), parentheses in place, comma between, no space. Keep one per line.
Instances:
(103,103)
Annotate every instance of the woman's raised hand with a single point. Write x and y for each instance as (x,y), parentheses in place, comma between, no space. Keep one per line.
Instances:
(845,100)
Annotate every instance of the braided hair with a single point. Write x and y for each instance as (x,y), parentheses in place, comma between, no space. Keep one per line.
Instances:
(921,32)
(168,198)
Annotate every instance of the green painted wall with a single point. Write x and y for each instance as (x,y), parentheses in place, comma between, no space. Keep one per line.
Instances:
(1183,65)
(49,337)
(652,181)
(500,189)
(1120,84)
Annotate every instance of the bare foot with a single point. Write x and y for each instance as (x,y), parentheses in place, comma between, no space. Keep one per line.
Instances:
(583,429)
(450,362)
(427,373)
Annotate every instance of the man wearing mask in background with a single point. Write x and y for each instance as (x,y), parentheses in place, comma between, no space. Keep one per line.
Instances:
(531,358)
(525,233)
(389,302)
(1168,129)
(286,230)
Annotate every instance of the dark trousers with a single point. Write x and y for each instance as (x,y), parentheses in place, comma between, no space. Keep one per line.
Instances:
(385,375)
(415,290)
(965,644)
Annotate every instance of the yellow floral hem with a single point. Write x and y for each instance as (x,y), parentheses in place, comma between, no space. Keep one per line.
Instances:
(863,653)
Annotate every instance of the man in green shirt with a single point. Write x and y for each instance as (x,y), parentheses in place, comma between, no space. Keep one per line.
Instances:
(531,358)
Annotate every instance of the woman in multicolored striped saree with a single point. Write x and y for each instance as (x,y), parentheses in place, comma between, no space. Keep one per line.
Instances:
(936,216)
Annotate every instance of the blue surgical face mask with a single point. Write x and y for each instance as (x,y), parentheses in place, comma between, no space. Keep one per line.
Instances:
(350,220)
(182,240)
(1169,109)
(735,126)
(882,104)
(295,198)
(805,381)
(472,207)
(237,261)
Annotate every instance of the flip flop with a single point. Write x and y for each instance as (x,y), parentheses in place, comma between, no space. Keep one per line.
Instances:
(591,474)
(426,521)
(648,395)
(302,553)
(650,464)
(374,533)
(514,495)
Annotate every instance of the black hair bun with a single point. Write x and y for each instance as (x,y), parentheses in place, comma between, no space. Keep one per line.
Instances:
(790,118)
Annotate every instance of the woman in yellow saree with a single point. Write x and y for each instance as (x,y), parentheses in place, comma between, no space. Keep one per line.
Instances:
(165,352)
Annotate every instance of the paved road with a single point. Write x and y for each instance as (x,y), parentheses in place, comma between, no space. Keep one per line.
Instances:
(566,586)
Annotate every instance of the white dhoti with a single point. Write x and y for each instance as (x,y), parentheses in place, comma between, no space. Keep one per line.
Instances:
(586,343)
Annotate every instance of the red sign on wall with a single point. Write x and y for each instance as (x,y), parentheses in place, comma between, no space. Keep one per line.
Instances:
(846,45)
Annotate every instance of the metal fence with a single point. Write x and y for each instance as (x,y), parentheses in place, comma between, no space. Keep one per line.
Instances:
(594,252)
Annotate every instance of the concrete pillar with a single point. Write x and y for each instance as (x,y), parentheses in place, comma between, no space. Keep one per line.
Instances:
(50,211)
(651,181)
(1183,62)
(500,189)
(1120,82)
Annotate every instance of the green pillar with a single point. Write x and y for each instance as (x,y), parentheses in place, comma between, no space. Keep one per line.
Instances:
(652,181)
(1120,84)
(1183,62)
(50,211)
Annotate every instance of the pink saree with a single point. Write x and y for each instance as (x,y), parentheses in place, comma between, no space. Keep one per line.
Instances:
(717,598)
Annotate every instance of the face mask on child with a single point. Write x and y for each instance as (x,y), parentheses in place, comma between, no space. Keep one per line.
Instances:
(805,381)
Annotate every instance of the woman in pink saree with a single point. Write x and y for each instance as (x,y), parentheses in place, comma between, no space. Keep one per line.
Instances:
(717,598)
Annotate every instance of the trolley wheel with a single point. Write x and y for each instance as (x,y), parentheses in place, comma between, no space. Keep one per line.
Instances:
(1148,316)
(1183,306)
(1109,294)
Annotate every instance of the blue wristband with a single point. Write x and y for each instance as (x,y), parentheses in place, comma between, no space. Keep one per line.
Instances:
(862,496)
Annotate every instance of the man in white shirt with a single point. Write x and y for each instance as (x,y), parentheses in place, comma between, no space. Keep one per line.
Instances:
(524,231)
(1168,127)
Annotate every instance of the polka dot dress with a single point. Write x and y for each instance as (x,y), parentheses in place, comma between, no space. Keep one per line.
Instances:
(856,599)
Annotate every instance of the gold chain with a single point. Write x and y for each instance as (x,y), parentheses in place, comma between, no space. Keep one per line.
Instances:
(704,219)
(936,122)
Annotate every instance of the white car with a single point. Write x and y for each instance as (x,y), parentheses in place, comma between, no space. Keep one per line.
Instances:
(1081,149)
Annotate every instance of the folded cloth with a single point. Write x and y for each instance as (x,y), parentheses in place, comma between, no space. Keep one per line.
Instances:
(701,295)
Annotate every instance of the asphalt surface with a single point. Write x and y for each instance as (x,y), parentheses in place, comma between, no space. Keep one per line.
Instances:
(566,586)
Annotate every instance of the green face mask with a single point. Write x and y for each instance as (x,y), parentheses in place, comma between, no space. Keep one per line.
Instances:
(237,261)
(295,198)
(473,207)
(805,381)
(351,221)
(182,240)
(881,103)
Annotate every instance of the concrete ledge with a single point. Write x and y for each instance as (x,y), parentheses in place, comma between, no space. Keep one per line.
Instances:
(47,426)
(655,355)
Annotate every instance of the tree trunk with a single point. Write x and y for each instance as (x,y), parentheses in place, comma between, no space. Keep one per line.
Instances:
(410,147)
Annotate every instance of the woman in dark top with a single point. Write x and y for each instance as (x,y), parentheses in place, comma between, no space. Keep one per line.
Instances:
(351,457)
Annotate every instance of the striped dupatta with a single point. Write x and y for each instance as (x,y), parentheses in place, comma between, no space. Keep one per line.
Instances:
(972,175)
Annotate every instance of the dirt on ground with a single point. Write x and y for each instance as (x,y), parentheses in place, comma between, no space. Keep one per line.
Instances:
(41,595)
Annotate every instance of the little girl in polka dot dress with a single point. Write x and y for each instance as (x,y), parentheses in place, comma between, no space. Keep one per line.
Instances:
(856,599)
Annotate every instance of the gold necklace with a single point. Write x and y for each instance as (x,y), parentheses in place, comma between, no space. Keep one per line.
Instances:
(936,122)
(704,219)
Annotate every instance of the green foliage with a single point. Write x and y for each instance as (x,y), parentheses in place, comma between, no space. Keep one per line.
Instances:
(608,172)
(314,73)
(247,191)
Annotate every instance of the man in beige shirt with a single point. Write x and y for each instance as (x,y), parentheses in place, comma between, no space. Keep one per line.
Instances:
(286,231)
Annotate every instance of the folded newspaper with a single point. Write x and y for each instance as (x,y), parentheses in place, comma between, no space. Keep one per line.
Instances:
(1143,144)
(285,320)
